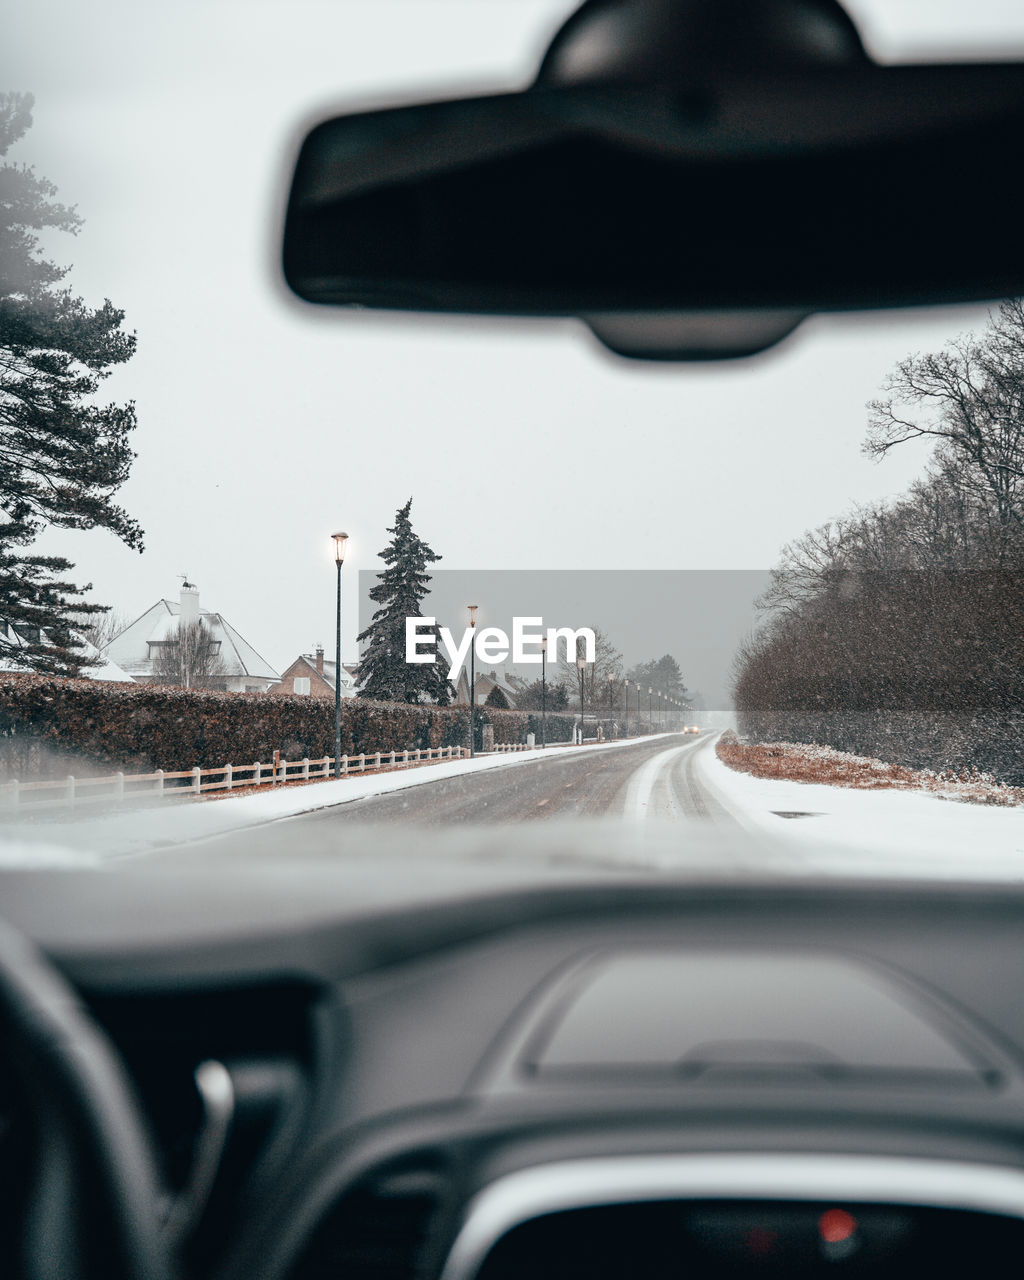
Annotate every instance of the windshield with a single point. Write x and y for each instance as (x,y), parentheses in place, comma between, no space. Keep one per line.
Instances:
(262,559)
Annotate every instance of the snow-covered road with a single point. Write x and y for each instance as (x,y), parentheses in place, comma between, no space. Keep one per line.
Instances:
(671,797)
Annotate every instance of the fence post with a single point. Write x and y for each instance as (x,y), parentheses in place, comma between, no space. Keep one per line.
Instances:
(257,774)
(69,789)
(229,778)
(376,761)
(197,780)
(159,782)
(405,756)
(119,786)
(305,768)
(362,761)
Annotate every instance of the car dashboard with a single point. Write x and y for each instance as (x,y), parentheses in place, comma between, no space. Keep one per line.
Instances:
(577,1078)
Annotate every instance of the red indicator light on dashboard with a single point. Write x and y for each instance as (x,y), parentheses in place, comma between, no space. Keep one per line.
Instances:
(836,1225)
(760,1241)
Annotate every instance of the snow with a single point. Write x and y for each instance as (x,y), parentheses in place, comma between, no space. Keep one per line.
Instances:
(857,833)
(883,833)
(84,839)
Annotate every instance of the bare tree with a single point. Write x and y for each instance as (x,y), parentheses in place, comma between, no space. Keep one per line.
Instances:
(192,660)
(104,627)
(607,662)
(969,399)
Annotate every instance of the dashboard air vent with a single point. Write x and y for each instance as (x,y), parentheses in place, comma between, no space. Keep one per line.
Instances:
(377,1231)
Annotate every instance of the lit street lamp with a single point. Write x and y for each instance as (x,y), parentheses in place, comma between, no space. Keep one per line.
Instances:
(339,559)
(650,704)
(638,708)
(472,678)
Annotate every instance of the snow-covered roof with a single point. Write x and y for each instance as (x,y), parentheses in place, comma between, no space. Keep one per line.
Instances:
(330,667)
(99,667)
(130,648)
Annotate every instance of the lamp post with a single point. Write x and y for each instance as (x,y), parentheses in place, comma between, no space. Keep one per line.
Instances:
(472,678)
(544,691)
(339,559)
(581,662)
(611,700)
(638,708)
(650,704)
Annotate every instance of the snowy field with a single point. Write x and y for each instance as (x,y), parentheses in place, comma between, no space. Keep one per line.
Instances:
(865,833)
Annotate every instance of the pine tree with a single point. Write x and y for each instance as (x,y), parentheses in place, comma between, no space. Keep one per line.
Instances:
(496,698)
(62,456)
(383,671)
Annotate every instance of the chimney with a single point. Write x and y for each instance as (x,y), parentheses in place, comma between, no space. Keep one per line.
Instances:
(319,659)
(188,604)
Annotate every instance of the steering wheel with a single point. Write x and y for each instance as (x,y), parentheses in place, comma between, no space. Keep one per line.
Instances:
(93,1210)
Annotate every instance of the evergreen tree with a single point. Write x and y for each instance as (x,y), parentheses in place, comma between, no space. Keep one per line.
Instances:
(383,671)
(62,456)
(663,676)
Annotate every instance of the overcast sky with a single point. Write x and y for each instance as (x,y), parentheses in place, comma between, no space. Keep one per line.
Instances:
(265,424)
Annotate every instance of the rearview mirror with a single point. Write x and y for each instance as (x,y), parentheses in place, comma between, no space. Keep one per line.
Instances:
(698,218)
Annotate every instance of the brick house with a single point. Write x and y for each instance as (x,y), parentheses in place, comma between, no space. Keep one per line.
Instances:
(312,674)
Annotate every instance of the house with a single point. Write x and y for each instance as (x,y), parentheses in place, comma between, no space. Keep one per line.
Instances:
(313,674)
(485,683)
(137,649)
(98,666)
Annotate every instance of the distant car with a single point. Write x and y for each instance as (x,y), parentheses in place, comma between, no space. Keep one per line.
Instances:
(691,728)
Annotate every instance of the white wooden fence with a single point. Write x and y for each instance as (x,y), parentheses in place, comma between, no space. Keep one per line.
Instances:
(16,797)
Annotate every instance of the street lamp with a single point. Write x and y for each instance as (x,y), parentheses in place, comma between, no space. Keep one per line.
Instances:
(339,559)
(544,691)
(581,663)
(472,678)
(611,700)
(650,704)
(638,708)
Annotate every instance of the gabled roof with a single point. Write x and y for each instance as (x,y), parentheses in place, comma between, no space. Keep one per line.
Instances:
(130,648)
(347,682)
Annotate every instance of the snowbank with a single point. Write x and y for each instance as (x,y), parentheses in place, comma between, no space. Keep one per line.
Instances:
(841,830)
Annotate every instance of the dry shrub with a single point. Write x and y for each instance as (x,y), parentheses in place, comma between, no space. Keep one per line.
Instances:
(810,762)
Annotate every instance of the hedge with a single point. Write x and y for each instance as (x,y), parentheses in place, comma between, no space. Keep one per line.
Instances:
(51,726)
